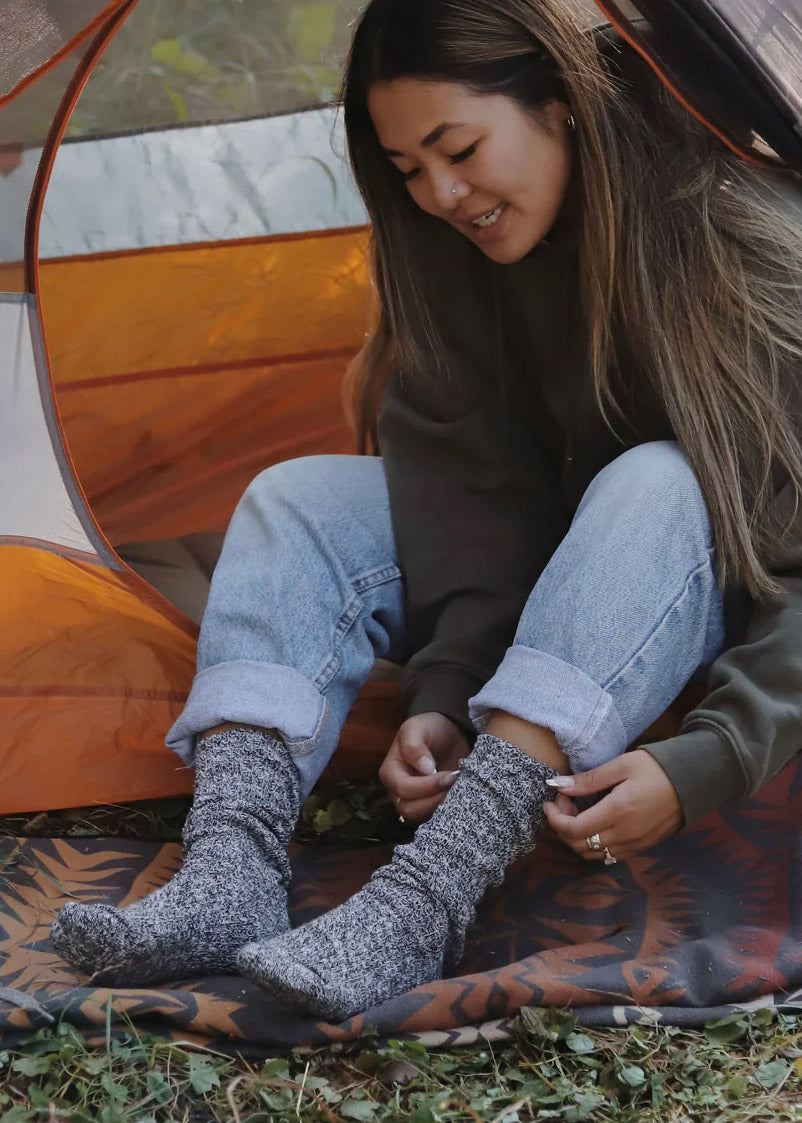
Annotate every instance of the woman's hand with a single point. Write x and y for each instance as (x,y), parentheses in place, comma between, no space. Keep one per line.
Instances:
(422,763)
(640,810)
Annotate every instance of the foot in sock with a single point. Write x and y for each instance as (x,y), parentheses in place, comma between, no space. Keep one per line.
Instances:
(231,888)
(410,919)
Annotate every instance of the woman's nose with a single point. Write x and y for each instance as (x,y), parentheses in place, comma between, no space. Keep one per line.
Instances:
(448,191)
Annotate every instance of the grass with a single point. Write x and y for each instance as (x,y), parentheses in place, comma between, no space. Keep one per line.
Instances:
(357,814)
(744,1067)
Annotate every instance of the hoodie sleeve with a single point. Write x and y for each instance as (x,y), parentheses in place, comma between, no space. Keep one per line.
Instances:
(476,516)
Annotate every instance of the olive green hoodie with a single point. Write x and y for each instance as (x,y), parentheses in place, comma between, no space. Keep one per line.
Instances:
(486,462)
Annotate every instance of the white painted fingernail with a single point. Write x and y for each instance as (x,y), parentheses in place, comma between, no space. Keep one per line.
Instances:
(561,782)
(427,766)
(447,779)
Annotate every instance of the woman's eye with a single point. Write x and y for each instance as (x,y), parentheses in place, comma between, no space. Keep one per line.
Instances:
(409,176)
(462,156)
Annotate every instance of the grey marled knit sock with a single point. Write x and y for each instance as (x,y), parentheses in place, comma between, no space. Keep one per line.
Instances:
(231,888)
(413,913)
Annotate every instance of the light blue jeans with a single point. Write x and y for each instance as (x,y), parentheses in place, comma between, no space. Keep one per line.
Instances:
(308,593)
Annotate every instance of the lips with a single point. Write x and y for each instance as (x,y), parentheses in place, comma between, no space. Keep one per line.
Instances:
(489,218)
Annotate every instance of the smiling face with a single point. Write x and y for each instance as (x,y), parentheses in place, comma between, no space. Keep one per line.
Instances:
(477,161)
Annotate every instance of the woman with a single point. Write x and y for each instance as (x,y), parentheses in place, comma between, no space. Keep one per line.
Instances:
(583,386)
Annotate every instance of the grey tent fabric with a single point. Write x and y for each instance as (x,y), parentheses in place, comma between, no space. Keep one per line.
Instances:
(735,63)
(33,31)
(772,31)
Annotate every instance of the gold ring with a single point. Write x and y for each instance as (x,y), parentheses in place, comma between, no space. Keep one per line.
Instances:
(609,860)
(594,842)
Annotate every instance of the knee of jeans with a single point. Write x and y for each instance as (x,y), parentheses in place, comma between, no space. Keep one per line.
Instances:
(308,484)
(289,477)
(656,477)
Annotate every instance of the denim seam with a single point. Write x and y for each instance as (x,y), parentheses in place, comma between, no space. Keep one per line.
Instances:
(594,722)
(376,577)
(307,747)
(349,616)
(692,576)
(602,706)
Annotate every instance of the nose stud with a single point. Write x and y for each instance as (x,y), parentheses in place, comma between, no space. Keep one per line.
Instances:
(454,189)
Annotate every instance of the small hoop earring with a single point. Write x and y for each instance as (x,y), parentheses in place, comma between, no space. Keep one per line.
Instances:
(570,122)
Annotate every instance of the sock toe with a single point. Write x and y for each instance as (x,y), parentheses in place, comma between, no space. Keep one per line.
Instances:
(291,982)
(93,938)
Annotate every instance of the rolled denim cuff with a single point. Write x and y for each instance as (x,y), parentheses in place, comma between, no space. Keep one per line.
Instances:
(266,695)
(547,691)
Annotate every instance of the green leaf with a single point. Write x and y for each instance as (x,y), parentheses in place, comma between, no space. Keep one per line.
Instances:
(117,1093)
(159,1087)
(771,1073)
(276,1068)
(310,29)
(31,1066)
(37,1096)
(168,52)
(587,1103)
(110,1114)
(580,1043)
(737,1087)
(362,1110)
(339,812)
(179,105)
(202,1075)
(368,1061)
(17,1114)
(324,1089)
(546,1024)
(321,822)
(730,1028)
(632,1075)
(124,1049)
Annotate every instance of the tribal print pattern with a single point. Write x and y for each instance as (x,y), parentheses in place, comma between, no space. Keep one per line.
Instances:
(709,921)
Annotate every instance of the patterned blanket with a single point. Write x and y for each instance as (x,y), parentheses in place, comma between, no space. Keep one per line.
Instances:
(708,922)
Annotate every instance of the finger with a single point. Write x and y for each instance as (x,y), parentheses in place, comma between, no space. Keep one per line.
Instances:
(575,830)
(602,819)
(418,810)
(596,780)
(416,755)
(565,822)
(563,805)
(405,786)
(613,848)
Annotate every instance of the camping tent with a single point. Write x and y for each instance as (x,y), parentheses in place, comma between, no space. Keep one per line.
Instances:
(168,327)
(177,308)
(735,64)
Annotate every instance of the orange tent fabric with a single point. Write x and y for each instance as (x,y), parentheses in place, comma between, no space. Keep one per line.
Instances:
(191,368)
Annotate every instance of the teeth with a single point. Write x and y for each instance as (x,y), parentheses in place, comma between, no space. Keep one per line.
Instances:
(490,219)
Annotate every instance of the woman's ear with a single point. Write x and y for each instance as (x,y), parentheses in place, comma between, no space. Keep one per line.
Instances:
(559,113)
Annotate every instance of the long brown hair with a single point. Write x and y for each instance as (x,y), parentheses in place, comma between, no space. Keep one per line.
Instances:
(687,250)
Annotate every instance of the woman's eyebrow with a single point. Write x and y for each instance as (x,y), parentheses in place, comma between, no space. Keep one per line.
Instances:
(427,142)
